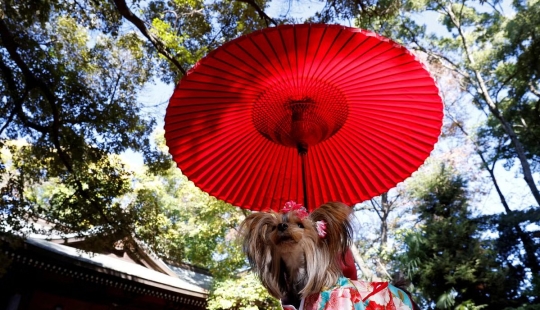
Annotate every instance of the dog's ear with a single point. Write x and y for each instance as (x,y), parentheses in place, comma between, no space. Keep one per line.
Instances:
(254,232)
(337,217)
(255,236)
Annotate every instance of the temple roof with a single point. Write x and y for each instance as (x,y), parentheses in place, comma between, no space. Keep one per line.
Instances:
(186,281)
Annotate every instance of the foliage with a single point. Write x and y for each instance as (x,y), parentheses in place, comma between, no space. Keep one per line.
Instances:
(181,223)
(70,93)
(517,72)
(445,257)
(242,293)
(366,10)
(189,29)
(482,48)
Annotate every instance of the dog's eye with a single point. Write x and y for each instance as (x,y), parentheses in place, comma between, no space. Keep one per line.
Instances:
(300,225)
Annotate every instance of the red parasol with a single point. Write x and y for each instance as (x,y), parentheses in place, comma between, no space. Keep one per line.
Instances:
(325,111)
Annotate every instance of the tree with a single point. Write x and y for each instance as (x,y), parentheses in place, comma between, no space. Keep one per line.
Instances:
(446,258)
(71,73)
(485,49)
(517,72)
(69,90)
(379,219)
(471,50)
(184,31)
(182,223)
(243,293)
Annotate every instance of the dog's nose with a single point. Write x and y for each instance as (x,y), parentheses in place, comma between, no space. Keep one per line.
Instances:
(282,226)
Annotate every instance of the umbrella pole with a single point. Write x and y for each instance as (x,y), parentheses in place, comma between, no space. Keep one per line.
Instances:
(304,183)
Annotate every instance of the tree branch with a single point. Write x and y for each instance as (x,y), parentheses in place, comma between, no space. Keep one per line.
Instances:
(534,90)
(261,12)
(17,102)
(8,121)
(368,275)
(124,10)
(443,60)
(31,79)
(486,165)
(373,202)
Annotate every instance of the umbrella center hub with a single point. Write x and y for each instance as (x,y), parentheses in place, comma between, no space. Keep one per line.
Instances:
(300,115)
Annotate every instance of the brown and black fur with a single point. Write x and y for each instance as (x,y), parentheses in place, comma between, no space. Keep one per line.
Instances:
(288,255)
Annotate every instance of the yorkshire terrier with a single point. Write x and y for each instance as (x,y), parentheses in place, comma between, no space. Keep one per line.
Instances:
(297,255)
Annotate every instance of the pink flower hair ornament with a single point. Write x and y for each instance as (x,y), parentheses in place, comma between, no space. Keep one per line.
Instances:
(301,212)
(321,228)
(298,209)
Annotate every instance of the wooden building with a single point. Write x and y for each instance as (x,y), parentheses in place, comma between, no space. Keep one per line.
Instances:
(56,275)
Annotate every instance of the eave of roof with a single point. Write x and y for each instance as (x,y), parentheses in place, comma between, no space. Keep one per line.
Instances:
(109,265)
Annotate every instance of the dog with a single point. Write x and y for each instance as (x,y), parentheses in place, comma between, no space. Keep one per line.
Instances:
(298,257)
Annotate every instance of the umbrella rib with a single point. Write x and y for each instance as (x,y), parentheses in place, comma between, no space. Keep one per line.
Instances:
(294,192)
(221,77)
(362,54)
(368,186)
(306,49)
(405,76)
(266,57)
(374,186)
(241,147)
(253,175)
(230,90)
(209,160)
(262,66)
(377,128)
(295,42)
(385,149)
(360,177)
(395,114)
(316,54)
(304,55)
(329,47)
(343,56)
(219,175)
(353,71)
(274,51)
(384,118)
(188,122)
(285,48)
(229,73)
(427,107)
(270,190)
(325,191)
(372,77)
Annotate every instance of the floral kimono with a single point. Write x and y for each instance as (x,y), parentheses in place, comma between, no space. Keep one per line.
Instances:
(357,295)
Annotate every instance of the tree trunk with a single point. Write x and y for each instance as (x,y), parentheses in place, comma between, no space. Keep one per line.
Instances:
(368,275)
(483,91)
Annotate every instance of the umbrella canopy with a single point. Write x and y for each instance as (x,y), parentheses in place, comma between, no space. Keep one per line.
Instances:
(311,113)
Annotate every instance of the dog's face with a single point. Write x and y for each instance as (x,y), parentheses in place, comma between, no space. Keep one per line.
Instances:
(289,238)
(294,253)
